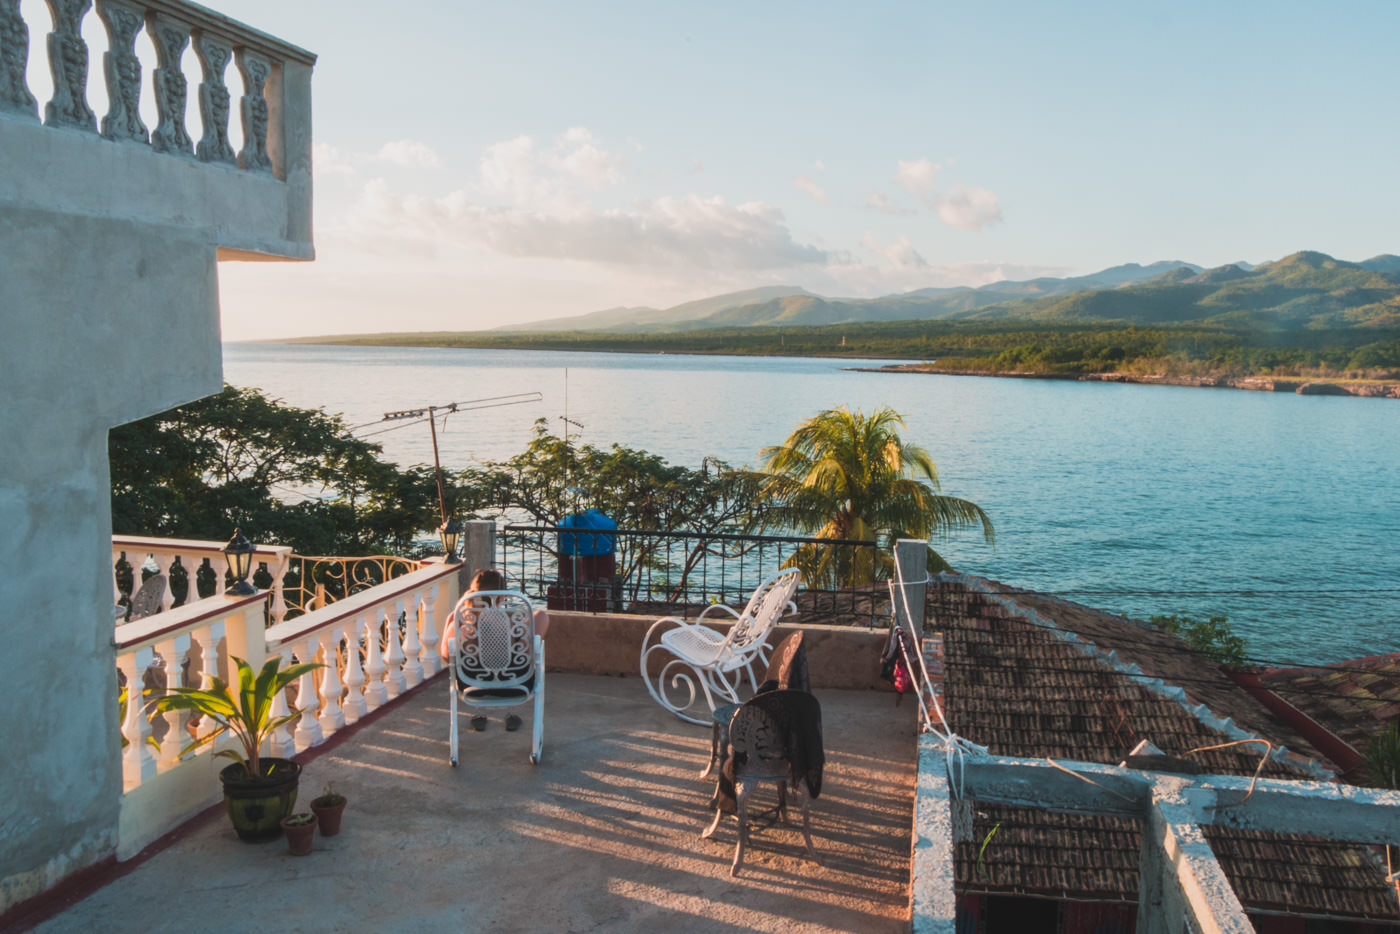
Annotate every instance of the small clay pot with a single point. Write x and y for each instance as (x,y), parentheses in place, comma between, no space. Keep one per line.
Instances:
(299,836)
(328,816)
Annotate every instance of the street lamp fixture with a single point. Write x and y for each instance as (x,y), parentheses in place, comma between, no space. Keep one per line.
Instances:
(450,533)
(239,555)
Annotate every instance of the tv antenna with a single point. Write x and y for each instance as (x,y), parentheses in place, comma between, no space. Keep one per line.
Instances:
(431,412)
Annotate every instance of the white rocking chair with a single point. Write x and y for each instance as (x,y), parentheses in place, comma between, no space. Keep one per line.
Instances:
(712,658)
(497,660)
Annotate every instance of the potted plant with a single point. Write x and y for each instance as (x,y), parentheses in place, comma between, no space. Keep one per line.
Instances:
(328,806)
(301,831)
(258,790)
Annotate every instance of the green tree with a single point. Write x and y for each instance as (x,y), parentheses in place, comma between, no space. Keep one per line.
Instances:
(284,475)
(846,475)
(1211,637)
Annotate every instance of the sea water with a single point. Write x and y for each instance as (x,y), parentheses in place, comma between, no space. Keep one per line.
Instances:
(1278,510)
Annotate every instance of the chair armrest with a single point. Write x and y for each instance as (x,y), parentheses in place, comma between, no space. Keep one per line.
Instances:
(718,606)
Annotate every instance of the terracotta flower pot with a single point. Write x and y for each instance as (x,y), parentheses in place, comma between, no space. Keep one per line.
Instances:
(256,806)
(299,836)
(328,816)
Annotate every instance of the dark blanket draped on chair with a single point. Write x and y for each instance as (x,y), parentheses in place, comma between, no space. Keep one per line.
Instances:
(785,724)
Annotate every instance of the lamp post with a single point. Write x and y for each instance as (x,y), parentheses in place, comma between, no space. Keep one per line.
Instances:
(450,532)
(239,555)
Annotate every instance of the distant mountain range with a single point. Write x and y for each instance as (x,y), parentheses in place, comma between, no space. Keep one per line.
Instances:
(1304,290)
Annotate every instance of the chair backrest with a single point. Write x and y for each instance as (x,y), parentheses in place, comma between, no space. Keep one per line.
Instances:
(768,603)
(779,735)
(787,669)
(494,638)
(147,599)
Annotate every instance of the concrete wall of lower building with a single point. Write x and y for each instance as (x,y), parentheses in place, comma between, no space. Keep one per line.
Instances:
(104,321)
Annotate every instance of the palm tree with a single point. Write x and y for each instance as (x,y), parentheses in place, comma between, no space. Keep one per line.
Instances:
(846,475)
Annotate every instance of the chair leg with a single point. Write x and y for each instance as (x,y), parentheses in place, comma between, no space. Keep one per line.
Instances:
(714,825)
(801,792)
(452,730)
(742,797)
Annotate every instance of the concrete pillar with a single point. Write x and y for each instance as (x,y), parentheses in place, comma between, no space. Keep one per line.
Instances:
(478,547)
(1182,888)
(911,555)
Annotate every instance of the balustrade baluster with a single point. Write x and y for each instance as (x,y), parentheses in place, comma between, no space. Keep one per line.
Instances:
(412,648)
(122,70)
(428,654)
(355,706)
(138,760)
(252,106)
(277,608)
(174,739)
(332,718)
(308,729)
(163,565)
(283,744)
(213,52)
(376,694)
(394,657)
(14,61)
(68,64)
(116,584)
(170,36)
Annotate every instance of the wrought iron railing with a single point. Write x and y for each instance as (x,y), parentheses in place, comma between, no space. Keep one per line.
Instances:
(312,583)
(680,573)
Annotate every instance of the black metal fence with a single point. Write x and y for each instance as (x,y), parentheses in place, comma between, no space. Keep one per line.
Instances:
(680,573)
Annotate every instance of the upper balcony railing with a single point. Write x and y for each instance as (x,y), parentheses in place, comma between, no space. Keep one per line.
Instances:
(172,26)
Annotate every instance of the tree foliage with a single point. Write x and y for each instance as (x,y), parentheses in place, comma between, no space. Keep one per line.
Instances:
(1212,637)
(284,475)
(846,475)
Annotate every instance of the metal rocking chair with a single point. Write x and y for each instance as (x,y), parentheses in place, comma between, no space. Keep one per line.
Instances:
(710,657)
(497,660)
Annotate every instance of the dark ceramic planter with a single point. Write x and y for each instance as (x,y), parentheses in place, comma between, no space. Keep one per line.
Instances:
(256,806)
(299,836)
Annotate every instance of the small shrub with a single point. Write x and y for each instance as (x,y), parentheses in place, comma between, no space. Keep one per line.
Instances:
(1212,637)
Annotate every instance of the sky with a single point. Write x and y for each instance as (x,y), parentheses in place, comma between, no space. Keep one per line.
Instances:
(485,164)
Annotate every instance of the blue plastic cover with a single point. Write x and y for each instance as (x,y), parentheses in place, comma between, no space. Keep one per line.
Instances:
(580,544)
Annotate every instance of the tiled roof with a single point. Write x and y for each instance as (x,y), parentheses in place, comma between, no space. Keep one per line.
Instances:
(1353,699)
(1014,686)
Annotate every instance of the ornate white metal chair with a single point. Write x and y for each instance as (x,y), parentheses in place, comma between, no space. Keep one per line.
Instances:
(713,659)
(774,737)
(497,660)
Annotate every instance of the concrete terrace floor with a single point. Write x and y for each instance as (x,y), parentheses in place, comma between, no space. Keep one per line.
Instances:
(603,835)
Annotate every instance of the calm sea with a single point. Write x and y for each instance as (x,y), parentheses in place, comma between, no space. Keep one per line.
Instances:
(1279,510)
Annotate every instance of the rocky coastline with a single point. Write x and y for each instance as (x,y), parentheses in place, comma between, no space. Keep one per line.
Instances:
(1374,389)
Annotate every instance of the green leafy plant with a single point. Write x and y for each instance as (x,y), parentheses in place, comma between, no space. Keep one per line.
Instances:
(1382,758)
(982,852)
(1212,637)
(300,820)
(329,797)
(247,713)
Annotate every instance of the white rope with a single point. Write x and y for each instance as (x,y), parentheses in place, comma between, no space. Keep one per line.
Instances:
(955,747)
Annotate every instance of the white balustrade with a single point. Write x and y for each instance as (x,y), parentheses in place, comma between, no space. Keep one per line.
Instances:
(355,705)
(171,27)
(332,717)
(412,648)
(394,657)
(283,744)
(308,732)
(191,554)
(432,662)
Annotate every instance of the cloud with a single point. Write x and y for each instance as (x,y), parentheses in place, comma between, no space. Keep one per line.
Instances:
(579,157)
(900,252)
(969,208)
(917,175)
(805,183)
(879,201)
(520,173)
(329,162)
(408,154)
(819,165)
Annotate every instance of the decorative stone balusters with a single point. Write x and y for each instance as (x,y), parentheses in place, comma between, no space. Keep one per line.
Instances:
(174,739)
(308,728)
(412,648)
(14,59)
(332,717)
(138,759)
(169,36)
(122,70)
(376,694)
(68,63)
(252,106)
(282,743)
(355,706)
(428,654)
(213,53)
(394,657)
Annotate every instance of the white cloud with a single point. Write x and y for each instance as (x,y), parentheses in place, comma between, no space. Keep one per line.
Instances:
(329,162)
(917,175)
(408,154)
(969,208)
(900,252)
(879,201)
(819,165)
(579,157)
(805,183)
